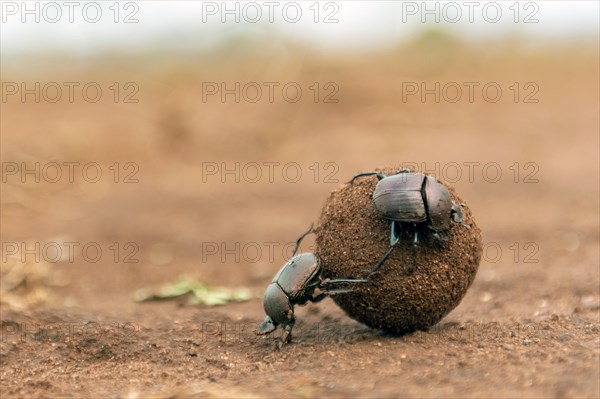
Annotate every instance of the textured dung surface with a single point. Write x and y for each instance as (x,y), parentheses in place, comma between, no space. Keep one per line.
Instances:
(351,238)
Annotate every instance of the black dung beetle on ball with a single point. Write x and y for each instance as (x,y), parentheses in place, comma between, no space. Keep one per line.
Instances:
(354,232)
(408,197)
(295,284)
(405,198)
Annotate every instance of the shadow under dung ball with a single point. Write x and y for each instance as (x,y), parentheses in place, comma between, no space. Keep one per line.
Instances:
(352,237)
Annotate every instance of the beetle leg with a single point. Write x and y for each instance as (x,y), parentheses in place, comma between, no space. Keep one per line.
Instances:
(337,291)
(379,175)
(331,292)
(328,281)
(414,250)
(319,297)
(439,236)
(326,286)
(394,239)
(299,240)
(286,337)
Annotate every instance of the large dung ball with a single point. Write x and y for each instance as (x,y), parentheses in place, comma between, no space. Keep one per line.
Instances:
(352,237)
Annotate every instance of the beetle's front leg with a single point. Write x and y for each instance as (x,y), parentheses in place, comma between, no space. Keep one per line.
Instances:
(439,236)
(319,298)
(286,337)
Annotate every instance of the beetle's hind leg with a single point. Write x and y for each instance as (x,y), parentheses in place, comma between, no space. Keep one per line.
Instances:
(329,287)
(380,175)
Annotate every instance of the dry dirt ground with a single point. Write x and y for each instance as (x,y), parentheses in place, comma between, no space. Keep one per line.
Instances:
(528,327)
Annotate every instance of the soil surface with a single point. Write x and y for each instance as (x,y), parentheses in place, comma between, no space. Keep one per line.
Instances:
(529,325)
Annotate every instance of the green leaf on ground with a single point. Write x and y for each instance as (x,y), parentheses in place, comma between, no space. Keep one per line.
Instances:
(198,292)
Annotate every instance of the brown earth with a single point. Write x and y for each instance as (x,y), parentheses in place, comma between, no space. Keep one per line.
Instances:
(528,326)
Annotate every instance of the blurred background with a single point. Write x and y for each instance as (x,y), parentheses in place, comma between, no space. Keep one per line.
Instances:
(201,138)
(164,99)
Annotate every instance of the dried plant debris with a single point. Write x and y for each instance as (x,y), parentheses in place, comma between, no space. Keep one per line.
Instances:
(197,293)
(25,282)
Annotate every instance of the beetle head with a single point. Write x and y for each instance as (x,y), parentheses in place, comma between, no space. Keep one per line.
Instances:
(267,326)
(294,284)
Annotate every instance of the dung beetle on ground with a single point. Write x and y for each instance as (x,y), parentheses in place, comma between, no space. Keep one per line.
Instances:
(295,284)
(412,198)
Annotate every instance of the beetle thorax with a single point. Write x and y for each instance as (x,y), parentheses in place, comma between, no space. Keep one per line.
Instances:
(299,276)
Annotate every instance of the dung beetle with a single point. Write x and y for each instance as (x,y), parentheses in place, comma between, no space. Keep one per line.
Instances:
(412,198)
(295,284)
